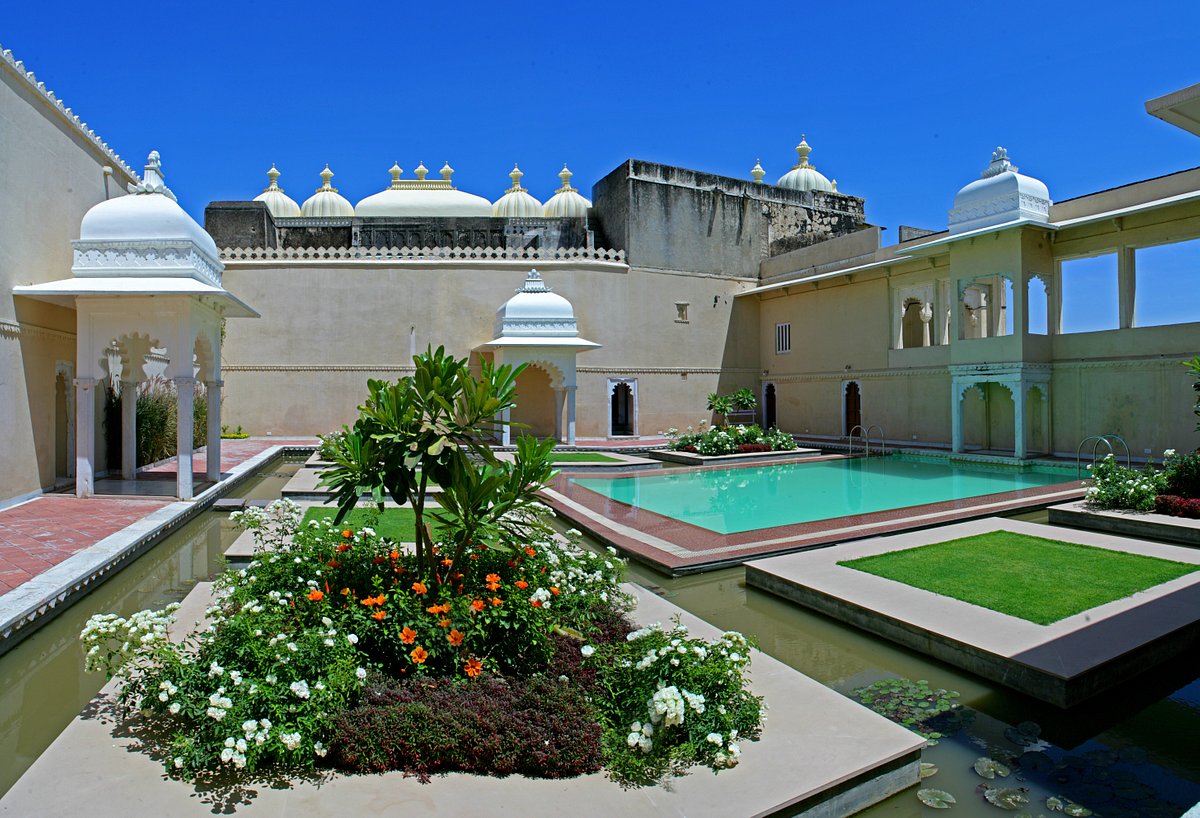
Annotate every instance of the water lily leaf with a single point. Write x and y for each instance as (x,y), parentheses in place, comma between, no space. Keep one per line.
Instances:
(938,799)
(989,768)
(1054,803)
(928,770)
(1076,811)
(1007,797)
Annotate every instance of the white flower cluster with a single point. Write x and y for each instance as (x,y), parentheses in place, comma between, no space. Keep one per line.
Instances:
(218,705)
(542,597)
(140,634)
(639,736)
(667,705)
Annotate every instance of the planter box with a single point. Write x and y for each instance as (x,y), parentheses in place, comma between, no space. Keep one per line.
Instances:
(692,459)
(1134,523)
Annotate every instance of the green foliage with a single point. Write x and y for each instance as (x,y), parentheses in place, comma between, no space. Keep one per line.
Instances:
(721,440)
(1116,486)
(914,705)
(743,400)
(720,404)
(1182,474)
(233,434)
(1194,366)
(157,411)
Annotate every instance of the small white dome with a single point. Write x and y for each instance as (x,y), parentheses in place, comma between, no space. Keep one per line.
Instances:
(1000,195)
(536,311)
(327,202)
(566,203)
(516,203)
(279,203)
(422,197)
(148,213)
(803,176)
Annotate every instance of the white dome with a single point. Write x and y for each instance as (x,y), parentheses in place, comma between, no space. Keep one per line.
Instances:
(327,202)
(279,203)
(1000,195)
(803,176)
(516,203)
(148,213)
(536,311)
(566,203)
(422,197)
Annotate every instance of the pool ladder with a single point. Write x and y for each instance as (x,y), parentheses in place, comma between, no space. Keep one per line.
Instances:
(1096,440)
(865,436)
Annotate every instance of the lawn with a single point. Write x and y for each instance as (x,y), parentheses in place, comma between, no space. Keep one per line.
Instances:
(1033,578)
(582,457)
(393,523)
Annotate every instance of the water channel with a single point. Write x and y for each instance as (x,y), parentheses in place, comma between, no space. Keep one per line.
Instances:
(1128,753)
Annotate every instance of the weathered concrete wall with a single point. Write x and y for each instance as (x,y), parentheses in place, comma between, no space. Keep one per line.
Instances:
(677,219)
(50,175)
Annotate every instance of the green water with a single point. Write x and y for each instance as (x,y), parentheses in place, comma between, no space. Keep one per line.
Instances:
(729,501)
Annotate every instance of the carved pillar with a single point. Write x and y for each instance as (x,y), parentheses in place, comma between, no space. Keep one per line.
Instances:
(128,430)
(926,317)
(212,452)
(85,437)
(558,411)
(570,415)
(956,416)
(1018,395)
(184,392)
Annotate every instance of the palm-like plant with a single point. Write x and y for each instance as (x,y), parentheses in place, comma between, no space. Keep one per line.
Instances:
(433,427)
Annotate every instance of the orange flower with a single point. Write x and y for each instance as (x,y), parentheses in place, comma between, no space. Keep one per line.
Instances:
(455,637)
(408,635)
(474,667)
(379,560)
(439,609)
(315,595)
(496,601)
(447,561)
(343,547)
(345,591)
(347,533)
(493,586)
(443,622)
(334,563)
(530,551)
(522,584)
(419,655)
(394,555)
(537,603)
(554,590)
(493,577)
(379,616)
(419,587)
(474,556)
(477,605)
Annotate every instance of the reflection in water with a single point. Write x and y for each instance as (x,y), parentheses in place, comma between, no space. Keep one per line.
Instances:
(42,682)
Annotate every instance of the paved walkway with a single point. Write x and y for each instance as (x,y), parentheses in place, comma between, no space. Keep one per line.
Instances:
(39,534)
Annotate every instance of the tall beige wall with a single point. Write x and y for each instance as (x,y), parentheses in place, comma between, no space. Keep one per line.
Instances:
(50,175)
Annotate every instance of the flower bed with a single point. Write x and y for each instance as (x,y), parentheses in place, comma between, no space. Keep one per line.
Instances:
(722,440)
(1175,490)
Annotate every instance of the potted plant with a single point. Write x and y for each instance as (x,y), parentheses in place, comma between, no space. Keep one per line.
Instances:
(743,405)
(720,405)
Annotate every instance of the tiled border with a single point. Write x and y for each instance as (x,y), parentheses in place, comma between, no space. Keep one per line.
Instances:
(681,548)
(1063,663)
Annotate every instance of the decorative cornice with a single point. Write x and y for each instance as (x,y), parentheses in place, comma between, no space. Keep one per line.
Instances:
(141,258)
(17,68)
(16,329)
(317,368)
(419,253)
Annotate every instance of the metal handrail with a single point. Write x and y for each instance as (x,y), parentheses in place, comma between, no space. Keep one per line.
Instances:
(882,442)
(850,440)
(1107,440)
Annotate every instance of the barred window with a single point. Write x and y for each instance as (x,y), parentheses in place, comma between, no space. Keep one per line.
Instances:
(783,338)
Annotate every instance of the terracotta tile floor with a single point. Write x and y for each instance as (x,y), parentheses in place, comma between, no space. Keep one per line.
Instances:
(38,535)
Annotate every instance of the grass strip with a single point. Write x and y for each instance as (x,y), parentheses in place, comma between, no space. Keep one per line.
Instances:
(1033,578)
(582,457)
(398,524)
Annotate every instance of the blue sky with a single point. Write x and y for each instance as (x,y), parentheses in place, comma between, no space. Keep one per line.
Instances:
(902,103)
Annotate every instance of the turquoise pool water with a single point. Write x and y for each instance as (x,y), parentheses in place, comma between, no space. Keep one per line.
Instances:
(729,501)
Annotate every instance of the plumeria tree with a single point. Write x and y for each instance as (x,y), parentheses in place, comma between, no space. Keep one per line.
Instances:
(433,428)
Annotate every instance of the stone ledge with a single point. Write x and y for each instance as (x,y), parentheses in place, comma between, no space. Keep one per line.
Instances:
(1135,523)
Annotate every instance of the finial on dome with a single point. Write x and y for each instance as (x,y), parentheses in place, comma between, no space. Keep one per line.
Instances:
(273,174)
(565,174)
(396,172)
(421,171)
(446,172)
(833,184)
(757,171)
(803,150)
(534,284)
(998,165)
(515,175)
(326,176)
(152,178)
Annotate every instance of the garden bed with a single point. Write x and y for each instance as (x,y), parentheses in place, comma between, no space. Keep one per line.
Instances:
(1149,524)
(693,459)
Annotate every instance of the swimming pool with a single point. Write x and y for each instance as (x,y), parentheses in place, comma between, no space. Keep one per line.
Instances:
(730,501)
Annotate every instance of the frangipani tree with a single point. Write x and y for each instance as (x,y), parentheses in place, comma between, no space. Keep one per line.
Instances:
(433,428)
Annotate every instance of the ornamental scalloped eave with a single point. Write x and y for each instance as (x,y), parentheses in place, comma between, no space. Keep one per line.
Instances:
(999,196)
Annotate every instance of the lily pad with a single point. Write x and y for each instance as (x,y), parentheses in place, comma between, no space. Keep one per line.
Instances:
(1054,803)
(928,770)
(938,799)
(1024,733)
(1007,797)
(989,768)
(1076,811)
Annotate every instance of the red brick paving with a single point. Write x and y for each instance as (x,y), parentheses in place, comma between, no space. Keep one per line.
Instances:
(38,535)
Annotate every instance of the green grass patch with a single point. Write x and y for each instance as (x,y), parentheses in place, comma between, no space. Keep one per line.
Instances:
(582,457)
(397,524)
(1033,578)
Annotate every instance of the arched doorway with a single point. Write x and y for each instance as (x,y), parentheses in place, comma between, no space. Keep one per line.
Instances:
(622,410)
(852,407)
(770,419)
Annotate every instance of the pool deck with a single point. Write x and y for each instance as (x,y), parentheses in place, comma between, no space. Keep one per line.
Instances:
(1063,663)
(821,754)
(676,547)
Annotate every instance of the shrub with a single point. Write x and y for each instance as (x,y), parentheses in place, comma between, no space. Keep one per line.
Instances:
(1119,487)
(1177,506)
(233,434)
(538,727)
(743,400)
(720,440)
(1183,473)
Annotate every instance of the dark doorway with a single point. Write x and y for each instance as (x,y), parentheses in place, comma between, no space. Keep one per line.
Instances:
(622,410)
(853,407)
(769,419)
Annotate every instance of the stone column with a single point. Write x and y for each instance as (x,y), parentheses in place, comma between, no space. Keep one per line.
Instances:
(1018,395)
(128,430)
(212,471)
(956,416)
(85,437)
(558,410)
(926,316)
(184,393)
(570,415)
(506,429)
(1054,301)
(1126,286)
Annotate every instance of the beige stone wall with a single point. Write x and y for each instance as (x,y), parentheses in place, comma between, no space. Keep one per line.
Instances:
(51,174)
(326,327)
